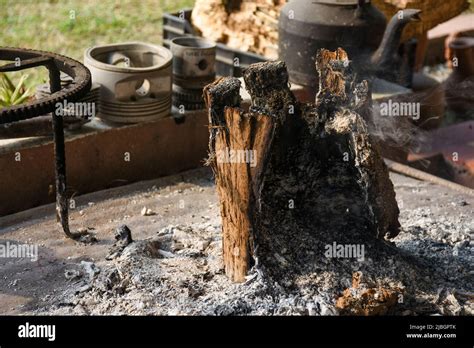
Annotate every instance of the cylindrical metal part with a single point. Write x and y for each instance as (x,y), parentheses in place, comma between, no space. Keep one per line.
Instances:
(135,79)
(307,26)
(194,62)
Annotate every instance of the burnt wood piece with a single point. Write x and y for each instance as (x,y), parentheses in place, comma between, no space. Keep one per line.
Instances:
(123,237)
(293,177)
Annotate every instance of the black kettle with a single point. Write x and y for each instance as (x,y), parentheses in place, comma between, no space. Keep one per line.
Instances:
(305,26)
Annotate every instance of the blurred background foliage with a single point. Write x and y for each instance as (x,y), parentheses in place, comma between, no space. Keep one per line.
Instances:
(68,27)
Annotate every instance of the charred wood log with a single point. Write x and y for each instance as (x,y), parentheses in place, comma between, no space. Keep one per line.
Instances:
(293,177)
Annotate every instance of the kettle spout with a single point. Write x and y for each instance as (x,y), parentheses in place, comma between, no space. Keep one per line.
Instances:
(386,56)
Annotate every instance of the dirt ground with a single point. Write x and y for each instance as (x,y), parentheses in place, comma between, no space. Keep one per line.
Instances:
(437,226)
(26,285)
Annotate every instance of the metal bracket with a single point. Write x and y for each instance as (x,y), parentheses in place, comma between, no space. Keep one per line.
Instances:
(55,64)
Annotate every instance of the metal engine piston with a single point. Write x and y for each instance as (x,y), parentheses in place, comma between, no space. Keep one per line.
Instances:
(194,61)
(135,81)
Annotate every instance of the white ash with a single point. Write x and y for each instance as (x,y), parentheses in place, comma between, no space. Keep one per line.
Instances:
(179,272)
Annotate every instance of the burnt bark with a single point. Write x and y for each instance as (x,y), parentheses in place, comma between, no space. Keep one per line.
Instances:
(308,174)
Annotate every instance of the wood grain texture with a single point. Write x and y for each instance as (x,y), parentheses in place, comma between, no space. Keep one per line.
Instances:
(316,176)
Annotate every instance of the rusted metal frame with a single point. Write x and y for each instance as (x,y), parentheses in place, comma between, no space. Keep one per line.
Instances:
(62,201)
(32,58)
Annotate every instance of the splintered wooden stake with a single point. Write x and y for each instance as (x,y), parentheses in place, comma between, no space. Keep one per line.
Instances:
(293,177)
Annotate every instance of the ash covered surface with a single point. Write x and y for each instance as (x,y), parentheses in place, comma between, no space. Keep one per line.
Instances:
(426,269)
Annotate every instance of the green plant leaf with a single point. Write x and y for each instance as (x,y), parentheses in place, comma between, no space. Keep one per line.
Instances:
(22,98)
(13,95)
(19,87)
(7,82)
